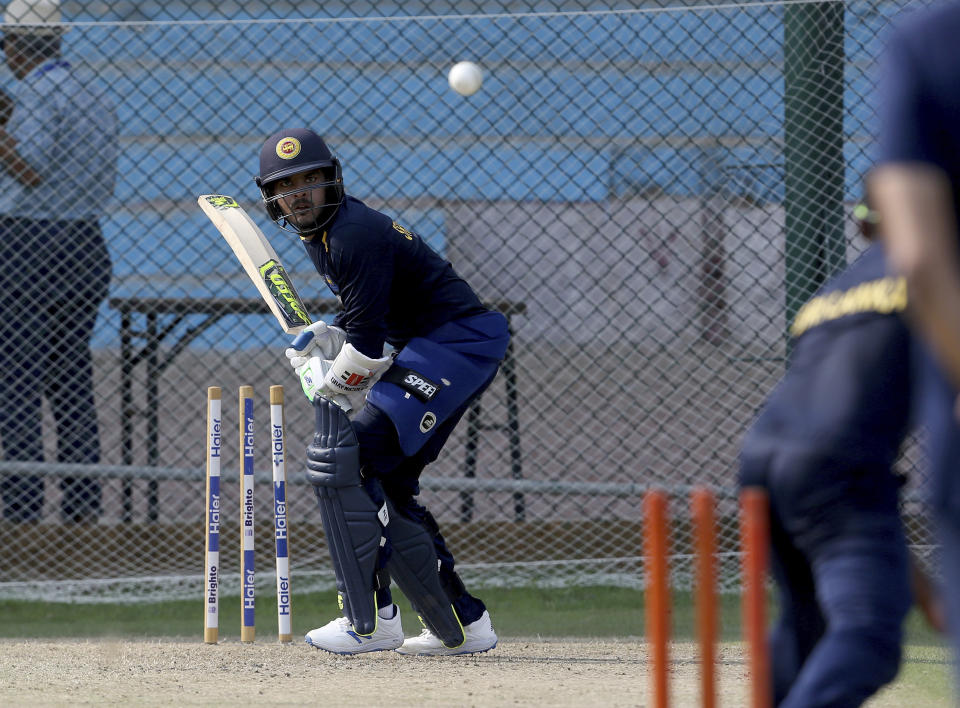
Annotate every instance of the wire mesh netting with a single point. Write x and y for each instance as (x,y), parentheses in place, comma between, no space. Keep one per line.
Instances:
(647,192)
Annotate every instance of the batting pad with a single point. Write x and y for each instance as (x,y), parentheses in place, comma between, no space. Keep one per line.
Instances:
(413,566)
(349,516)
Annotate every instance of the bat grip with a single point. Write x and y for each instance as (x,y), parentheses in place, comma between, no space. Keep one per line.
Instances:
(302,340)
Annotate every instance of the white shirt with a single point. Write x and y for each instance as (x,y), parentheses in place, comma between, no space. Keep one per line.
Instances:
(67,131)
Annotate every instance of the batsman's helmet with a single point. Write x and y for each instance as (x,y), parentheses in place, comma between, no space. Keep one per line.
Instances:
(295,151)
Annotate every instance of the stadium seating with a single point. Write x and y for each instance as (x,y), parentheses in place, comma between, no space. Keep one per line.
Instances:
(613,108)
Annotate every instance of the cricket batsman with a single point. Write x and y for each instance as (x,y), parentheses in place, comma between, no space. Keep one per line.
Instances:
(447,348)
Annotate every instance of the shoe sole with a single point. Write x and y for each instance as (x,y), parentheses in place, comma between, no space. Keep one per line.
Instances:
(348,653)
(451,652)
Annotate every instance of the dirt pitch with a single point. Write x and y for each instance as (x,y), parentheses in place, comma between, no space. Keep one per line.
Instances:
(520,672)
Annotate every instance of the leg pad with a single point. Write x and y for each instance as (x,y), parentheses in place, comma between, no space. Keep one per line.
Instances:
(351,521)
(413,565)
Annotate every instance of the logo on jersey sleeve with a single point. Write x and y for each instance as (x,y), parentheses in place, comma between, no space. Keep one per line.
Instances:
(883,296)
(407,233)
(288,148)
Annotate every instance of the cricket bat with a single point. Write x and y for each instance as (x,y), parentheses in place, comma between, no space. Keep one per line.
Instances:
(260,261)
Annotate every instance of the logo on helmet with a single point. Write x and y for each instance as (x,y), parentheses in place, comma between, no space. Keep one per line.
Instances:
(288,148)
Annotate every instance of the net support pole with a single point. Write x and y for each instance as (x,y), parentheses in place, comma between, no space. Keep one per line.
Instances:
(813,56)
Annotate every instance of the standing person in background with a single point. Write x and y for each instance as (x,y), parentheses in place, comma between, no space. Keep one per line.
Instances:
(58,154)
(917,191)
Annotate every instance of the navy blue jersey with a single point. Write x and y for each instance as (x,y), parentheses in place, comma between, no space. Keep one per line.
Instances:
(392,285)
(920,92)
(846,392)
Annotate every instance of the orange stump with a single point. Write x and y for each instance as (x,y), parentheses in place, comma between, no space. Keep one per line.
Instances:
(705,585)
(657,591)
(754,539)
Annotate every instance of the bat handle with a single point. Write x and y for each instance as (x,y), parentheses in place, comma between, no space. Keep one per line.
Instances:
(302,340)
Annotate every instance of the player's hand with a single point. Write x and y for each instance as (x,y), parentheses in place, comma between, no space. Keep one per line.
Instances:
(313,373)
(312,370)
(317,339)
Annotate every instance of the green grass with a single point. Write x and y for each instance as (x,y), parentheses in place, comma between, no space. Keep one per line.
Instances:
(927,671)
(589,612)
(568,612)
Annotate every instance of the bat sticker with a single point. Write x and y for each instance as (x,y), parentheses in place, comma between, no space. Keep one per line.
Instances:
(222,202)
(278,282)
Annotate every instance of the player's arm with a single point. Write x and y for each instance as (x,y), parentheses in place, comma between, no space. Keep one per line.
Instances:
(913,196)
(18,167)
(919,228)
(31,138)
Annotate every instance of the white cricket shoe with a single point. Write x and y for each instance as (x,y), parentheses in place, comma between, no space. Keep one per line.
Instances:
(478,637)
(338,636)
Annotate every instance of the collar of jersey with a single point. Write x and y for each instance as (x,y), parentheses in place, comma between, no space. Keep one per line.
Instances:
(323,240)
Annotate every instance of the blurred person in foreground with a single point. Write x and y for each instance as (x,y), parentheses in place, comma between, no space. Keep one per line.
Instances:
(58,153)
(393,289)
(916,186)
(824,448)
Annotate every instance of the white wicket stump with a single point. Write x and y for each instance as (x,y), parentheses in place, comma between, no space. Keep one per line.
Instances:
(247,588)
(278,455)
(211,577)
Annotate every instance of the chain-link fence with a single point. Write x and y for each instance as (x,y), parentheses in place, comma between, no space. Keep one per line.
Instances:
(647,192)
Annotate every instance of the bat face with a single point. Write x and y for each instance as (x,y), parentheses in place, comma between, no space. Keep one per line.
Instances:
(258,259)
(278,283)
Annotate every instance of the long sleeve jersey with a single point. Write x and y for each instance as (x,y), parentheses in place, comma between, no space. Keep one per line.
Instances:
(392,285)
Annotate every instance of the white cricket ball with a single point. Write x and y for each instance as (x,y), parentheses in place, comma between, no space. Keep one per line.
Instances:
(465,78)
